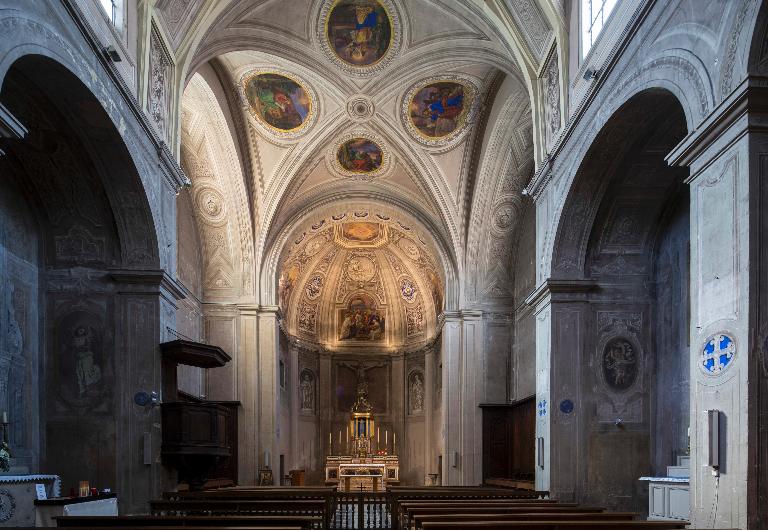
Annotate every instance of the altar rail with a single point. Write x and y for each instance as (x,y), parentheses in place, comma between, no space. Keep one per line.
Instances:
(359,510)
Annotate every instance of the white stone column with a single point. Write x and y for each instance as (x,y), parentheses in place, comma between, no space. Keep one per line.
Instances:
(247,394)
(472,394)
(430,459)
(462,393)
(268,342)
(293,370)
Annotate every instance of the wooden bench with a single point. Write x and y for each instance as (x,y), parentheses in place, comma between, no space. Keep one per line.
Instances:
(226,506)
(557,525)
(304,522)
(420,519)
(409,512)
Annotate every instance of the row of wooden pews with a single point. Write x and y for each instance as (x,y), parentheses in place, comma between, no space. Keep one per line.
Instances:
(251,508)
(457,508)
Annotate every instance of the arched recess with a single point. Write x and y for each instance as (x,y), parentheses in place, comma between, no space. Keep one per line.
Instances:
(620,347)
(79,262)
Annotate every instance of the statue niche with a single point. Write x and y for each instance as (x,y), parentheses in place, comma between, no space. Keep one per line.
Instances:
(416,393)
(307,391)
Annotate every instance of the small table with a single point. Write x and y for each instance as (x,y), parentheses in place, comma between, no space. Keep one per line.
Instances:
(669,498)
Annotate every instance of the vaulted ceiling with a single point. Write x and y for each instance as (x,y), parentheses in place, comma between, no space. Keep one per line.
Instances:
(292,105)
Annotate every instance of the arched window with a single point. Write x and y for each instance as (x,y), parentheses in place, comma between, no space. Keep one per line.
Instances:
(112,9)
(594,13)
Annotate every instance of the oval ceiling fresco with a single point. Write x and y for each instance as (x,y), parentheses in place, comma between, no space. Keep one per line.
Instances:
(359,32)
(360,156)
(279,102)
(439,109)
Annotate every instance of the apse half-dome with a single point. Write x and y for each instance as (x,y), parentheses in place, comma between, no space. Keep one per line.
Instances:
(360,281)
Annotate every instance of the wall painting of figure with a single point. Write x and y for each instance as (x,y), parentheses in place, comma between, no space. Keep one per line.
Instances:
(439,109)
(360,155)
(361,320)
(359,31)
(278,101)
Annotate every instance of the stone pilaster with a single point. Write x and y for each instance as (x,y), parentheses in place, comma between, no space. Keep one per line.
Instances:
(728,160)
(268,342)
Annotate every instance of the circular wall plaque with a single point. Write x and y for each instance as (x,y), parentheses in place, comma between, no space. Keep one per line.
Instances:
(566,406)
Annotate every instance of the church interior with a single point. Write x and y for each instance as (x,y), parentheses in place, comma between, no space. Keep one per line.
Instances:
(335,264)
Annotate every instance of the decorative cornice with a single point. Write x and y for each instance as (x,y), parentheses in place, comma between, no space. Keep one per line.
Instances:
(148,281)
(748,98)
(552,287)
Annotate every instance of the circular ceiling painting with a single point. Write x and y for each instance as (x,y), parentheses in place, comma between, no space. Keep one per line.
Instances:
(437,110)
(360,155)
(279,102)
(359,32)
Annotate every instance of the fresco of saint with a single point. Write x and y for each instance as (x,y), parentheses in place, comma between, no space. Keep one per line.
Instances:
(278,101)
(439,109)
(359,31)
(360,155)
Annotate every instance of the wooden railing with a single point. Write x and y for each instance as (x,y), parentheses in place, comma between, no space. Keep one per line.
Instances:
(360,510)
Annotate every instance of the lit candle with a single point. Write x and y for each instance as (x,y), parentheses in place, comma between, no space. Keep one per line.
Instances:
(339,436)
(347,433)
(330,441)
(378,433)
(386,436)
(394,440)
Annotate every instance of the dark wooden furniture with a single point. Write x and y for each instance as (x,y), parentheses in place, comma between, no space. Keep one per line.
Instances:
(509,432)
(197,434)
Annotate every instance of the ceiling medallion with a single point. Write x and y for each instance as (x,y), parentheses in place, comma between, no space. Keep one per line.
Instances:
(437,111)
(280,102)
(359,155)
(360,108)
(359,36)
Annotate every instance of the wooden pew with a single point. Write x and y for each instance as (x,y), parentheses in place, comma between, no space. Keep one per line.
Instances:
(420,519)
(226,506)
(557,525)
(304,522)
(409,511)
(398,494)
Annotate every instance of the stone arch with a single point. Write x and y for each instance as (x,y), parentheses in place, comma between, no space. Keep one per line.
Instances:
(580,204)
(622,247)
(95,323)
(108,155)
(758,50)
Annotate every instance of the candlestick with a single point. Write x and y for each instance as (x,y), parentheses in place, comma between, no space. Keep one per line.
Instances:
(330,442)
(347,433)
(378,433)
(339,436)
(5,417)
(394,441)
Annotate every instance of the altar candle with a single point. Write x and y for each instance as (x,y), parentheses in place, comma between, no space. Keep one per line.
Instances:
(378,433)
(386,436)
(5,417)
(347,433)
(339,436)
(330,441)
(394,440)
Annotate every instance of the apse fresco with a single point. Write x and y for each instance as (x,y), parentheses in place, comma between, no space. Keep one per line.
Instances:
(360,155)
(359,31)
(437,290)
(361,232)
(361,320)
(439,109)
(286,284)
(278,101)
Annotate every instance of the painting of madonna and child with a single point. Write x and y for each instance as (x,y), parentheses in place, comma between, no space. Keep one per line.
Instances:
(278,101)
(439,109)
(360,155)
(359,31)
(361,320)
